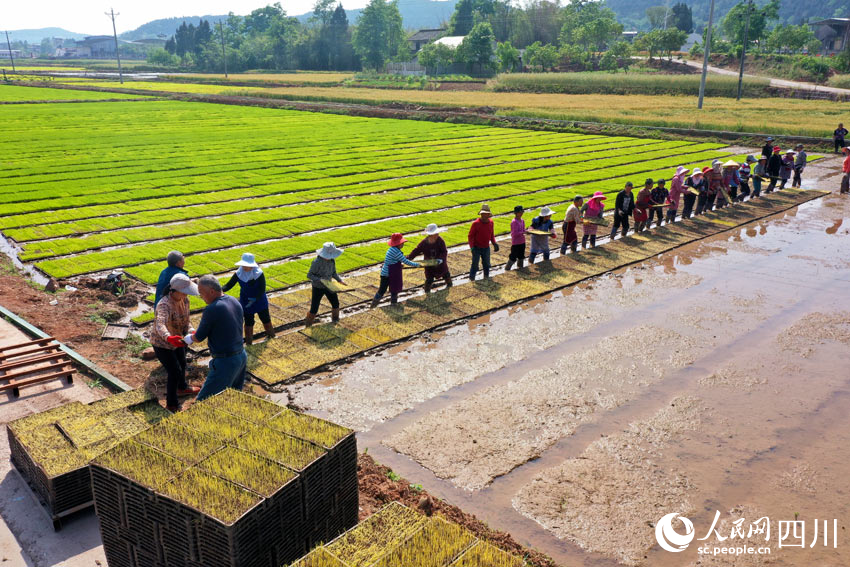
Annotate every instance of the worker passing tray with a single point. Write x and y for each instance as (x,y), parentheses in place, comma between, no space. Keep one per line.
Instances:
(538,232)
(335,286)
(596,220)
(430,263)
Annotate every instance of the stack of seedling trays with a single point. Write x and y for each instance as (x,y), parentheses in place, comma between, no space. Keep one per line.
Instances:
(399,537)
(52,449)
(235,480)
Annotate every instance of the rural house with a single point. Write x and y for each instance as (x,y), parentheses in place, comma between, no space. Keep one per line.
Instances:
(832,33)
(423,37)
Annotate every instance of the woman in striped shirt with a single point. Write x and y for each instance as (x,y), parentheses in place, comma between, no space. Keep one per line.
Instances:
(391,277)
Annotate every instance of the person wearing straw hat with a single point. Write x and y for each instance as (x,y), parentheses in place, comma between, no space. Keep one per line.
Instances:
(714,178)
(518,231)
(323,269)
(702,199)
(787,168)
(481,235)
(571,220)
(624,206)
(221,327)
(540,242)
(774,166)
(845,168)
(800,163)
(642,203)
(745,172)
(433,247)
(171,324)
(657,198)
(759,174)
(391,271)
(694,182)
(591,210)
(677,190)
(731,180)
(252,295)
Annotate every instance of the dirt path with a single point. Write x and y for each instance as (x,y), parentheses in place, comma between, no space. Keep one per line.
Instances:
(783,83)
(708,379)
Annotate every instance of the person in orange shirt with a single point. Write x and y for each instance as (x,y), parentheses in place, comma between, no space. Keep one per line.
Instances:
(845,181)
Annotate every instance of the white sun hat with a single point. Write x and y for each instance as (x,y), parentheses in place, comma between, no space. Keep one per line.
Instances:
(247,261)
(433,229)
(329,251)
(546,212)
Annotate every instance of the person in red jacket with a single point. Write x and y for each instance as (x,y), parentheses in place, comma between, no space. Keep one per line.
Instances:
(845,180)
(481,234)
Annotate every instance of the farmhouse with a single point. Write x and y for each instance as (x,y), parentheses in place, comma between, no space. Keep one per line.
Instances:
(423,37)
(99,46)
(833,34)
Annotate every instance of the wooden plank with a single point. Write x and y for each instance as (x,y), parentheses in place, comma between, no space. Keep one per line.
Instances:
(30,343)
(20,373)
(35,350)
(35,360)
(29,381)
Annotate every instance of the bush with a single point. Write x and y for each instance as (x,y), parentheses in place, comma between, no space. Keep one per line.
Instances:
(840,81)
(619,83)
(810,69)
(163,58)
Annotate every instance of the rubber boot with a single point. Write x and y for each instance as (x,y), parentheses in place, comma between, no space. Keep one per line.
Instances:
(509,265)
(308,321)
(375,302)
(334,315)
(584,241)
(269,330)
(520,263)
(593,241)
(249,334)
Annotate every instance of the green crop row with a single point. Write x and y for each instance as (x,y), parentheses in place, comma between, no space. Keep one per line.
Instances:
(359,209)
(15,93)
(270,184)
(99,261)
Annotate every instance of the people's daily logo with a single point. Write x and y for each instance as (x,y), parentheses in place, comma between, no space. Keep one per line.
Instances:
(667,536)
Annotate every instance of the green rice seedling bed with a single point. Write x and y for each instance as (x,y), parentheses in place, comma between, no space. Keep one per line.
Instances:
(52,449)
(208,487)
(483,554)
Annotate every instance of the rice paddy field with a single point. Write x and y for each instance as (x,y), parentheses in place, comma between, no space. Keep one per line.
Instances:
(12,93)
(757,115)
(214,181)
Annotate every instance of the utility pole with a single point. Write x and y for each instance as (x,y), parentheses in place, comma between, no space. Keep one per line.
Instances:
(706,52)
(750,9)
(9,44)
(223,50)
(111,13)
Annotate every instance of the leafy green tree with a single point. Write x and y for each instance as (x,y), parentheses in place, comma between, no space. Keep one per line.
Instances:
(735,22)
(468,13)
(791,38)
(477,47)
(590,25)
(622,52)
(379,33)
(661,41)
(542,56)
(162,58)
(435,56)
(508,56)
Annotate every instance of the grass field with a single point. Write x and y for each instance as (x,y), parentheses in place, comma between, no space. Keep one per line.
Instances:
(13,93)
(294,78)
(214,181)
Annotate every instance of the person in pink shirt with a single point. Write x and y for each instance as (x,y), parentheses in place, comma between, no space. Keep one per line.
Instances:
(517,240)
(677,189)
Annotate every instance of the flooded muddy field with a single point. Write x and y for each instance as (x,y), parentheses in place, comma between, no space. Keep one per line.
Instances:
(711,382)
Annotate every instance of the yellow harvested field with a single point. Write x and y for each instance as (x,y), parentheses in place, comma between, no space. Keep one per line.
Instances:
(327,78)
(774,115)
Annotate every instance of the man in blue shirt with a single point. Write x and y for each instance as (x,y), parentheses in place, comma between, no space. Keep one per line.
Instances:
(175,261)
(221,326)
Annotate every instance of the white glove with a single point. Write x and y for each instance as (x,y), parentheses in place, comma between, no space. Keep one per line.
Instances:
(189,339)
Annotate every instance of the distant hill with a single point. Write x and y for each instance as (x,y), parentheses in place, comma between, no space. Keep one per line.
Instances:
(166,27)
(35,36)
(632,13)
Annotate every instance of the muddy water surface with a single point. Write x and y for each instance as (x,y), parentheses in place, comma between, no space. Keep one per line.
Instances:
(713,378)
